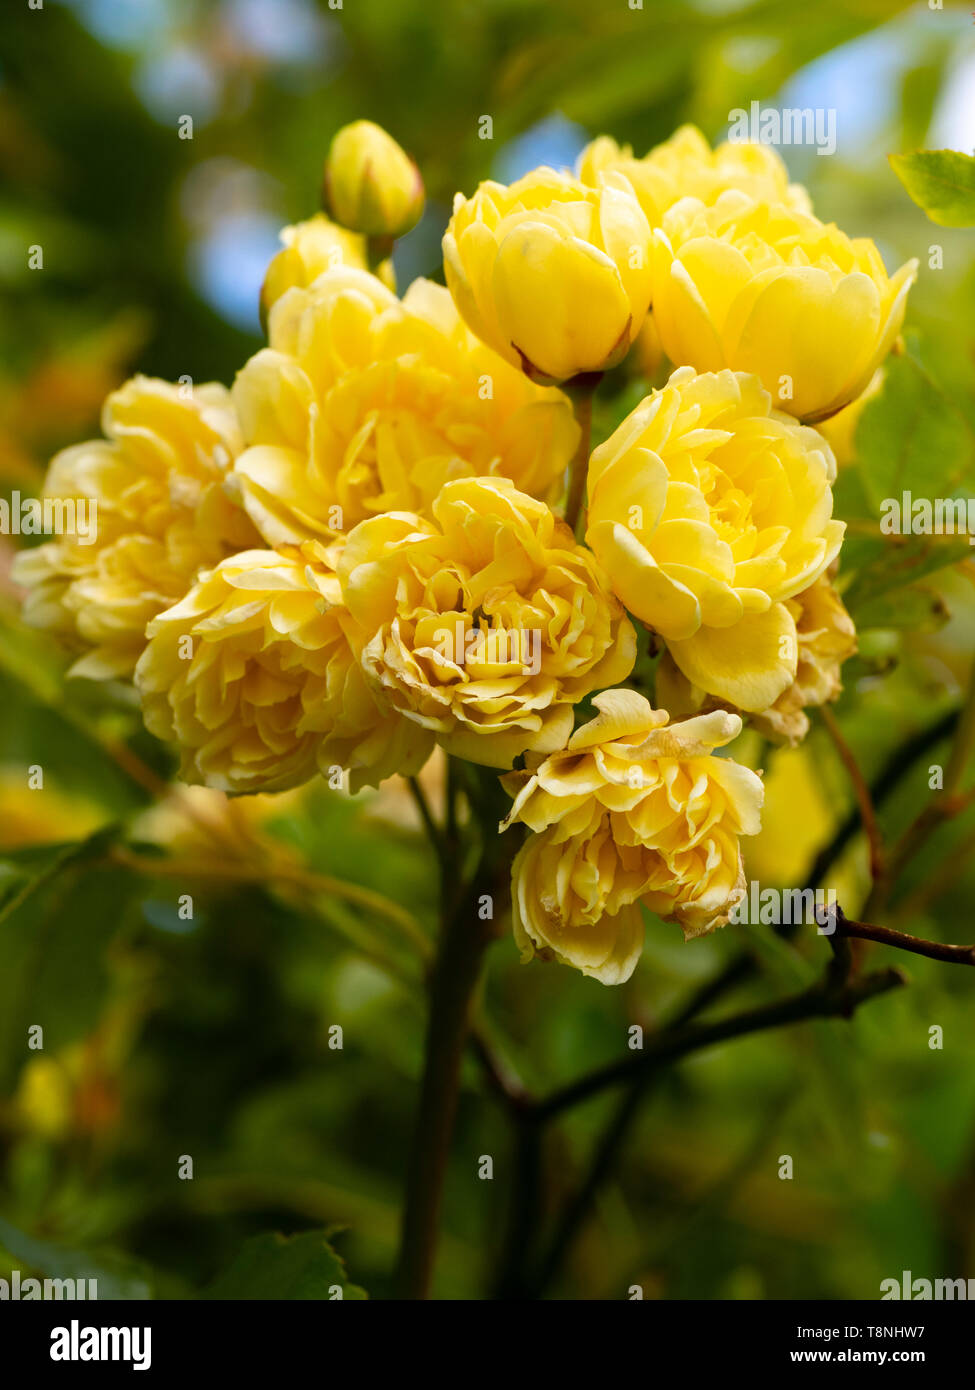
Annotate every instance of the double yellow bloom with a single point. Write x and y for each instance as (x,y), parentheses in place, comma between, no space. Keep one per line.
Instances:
(633,810)
(364,404)
(157,487)
(708,509)
(762,288)
(487,624)
(255,676)
(825,638)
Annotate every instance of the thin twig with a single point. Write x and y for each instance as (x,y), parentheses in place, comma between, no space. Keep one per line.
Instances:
(868,816)
(836,995)
(513,1279)
(937,880)
(600,1166)
(918,946)
(295,876)
(502,1079)
(946,802)
(426,815)
(898,765)
(821,1001)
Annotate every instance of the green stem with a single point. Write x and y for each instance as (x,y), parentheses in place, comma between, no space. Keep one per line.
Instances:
(378,249)
(580,392)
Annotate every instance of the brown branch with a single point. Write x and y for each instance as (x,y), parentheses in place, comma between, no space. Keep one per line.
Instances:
(890,777)
(918,946)
(501,1078)
(823,1000)
(836,995)
(861,791)
(514,1279)
(938,880)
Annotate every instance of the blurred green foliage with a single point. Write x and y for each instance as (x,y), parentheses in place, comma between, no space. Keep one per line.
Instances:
(213,1035)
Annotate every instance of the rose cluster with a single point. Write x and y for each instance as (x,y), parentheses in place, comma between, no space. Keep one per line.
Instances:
(373,543)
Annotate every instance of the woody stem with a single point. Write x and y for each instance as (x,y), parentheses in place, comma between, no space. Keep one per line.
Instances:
(917,945)
(467,929)
(580,390)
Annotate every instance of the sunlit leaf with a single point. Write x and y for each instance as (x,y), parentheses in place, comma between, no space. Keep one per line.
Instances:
(942,182)
(911,437)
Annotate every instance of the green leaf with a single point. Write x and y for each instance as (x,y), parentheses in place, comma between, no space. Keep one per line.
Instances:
(55,928)
(918,608)
(24,874)
(886,565)
(942,182)
(281,1267)
(911,437)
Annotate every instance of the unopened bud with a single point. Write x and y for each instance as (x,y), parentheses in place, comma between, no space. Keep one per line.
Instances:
(371,185)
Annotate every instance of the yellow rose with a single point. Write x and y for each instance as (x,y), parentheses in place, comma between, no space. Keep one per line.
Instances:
(632,810)
(708,509)
(825,636)
(768,290)
(364,404)
(553,274)
(256,676)
(487,624)
(310,249)
(685,166)
(161,513)
(371,184)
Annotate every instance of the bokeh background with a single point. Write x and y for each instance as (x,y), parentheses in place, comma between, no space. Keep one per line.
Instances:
(210,1036)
